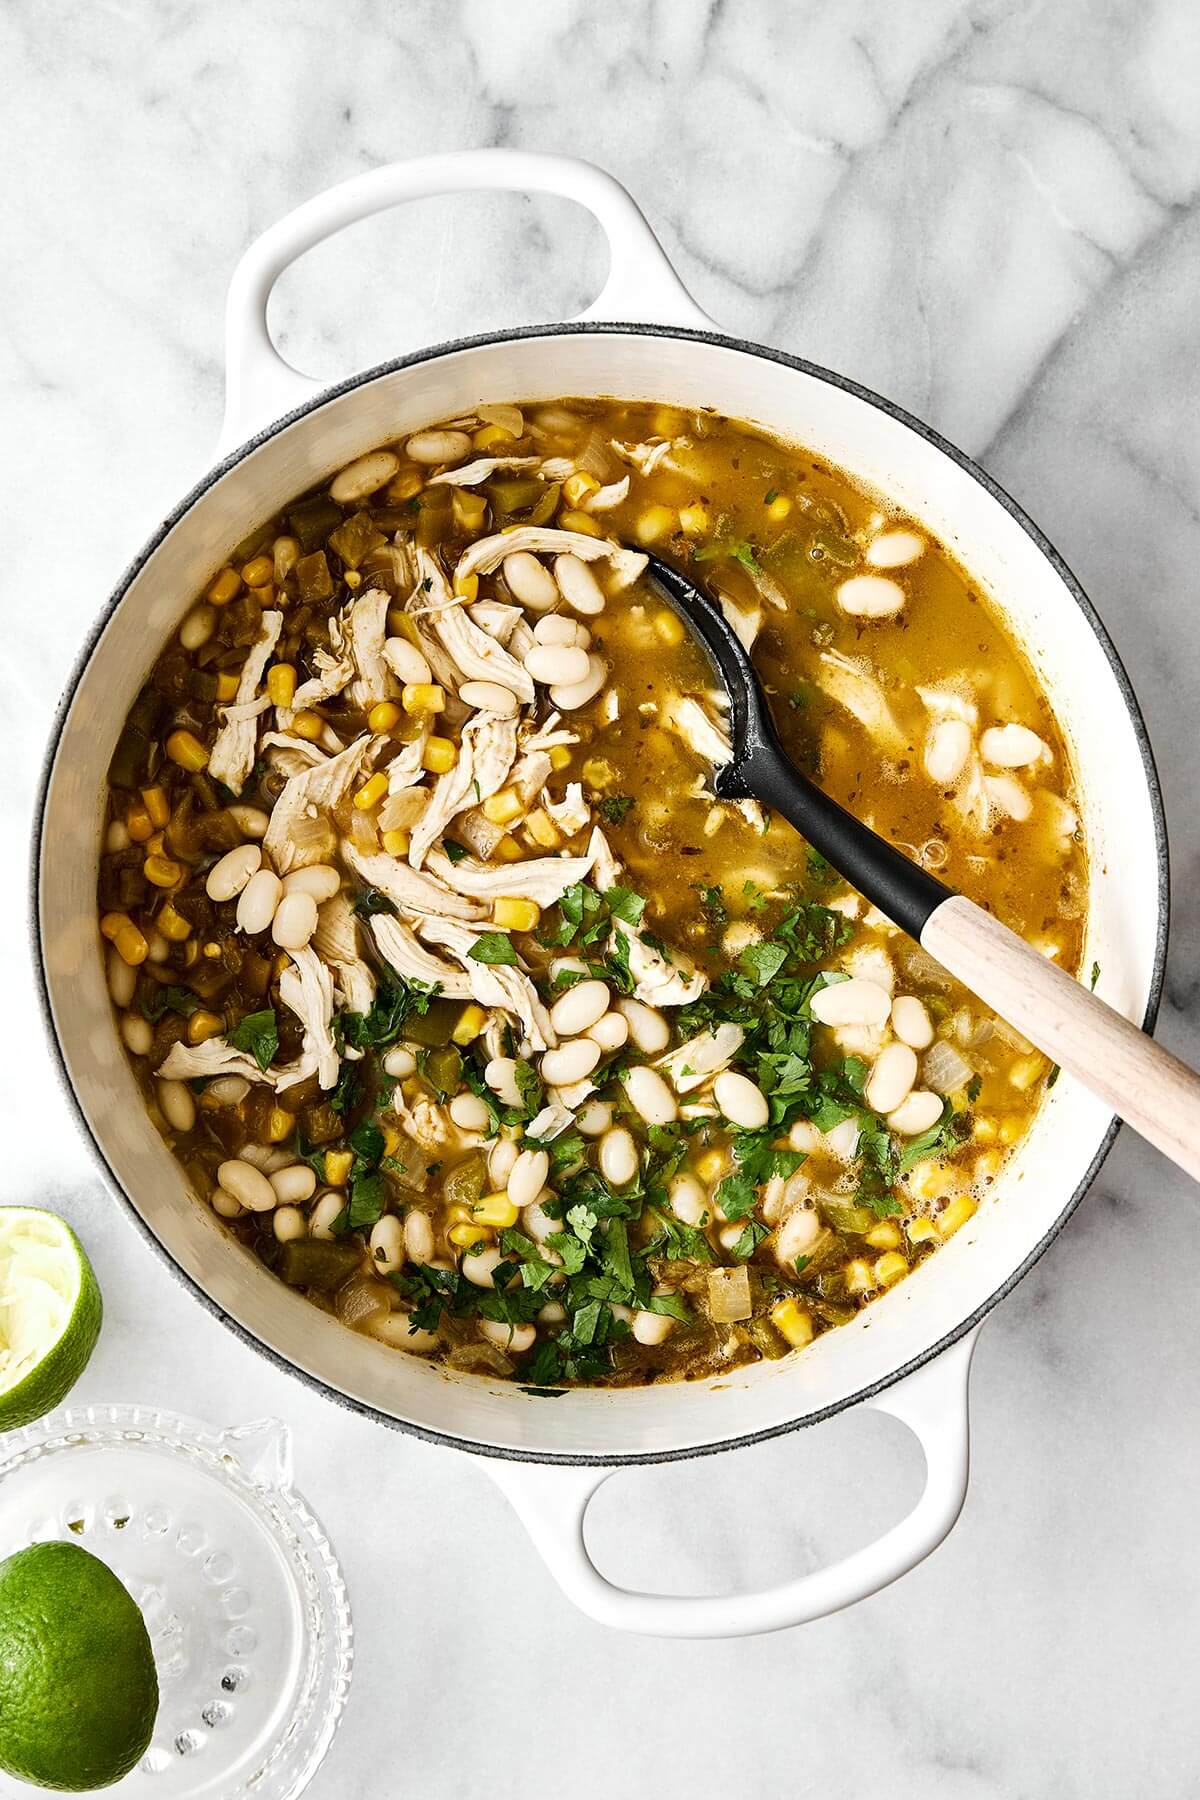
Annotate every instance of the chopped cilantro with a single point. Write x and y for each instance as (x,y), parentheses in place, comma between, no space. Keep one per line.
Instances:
(614,809)
(257,1033)
(453,850)
(493,947)
(169,999)
(369,900)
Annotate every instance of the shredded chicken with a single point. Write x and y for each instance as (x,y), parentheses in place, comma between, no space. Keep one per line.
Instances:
(687,719)
(407,769)
(572,812)
(646,457)
(605,498)
(365,625)
(862,696)
(199,1062)
(336,942)
(662,978)
(479,656)
(335,670)
(496,984)
(485,757)
(745,625)
(309,793)
(291,755)
(232,756)
(472,473)
(541,878)
(606,870)
(307,989)
(550,1123)
(486,554)
(410,890)
(692,1064)
(498,620)
(399,948)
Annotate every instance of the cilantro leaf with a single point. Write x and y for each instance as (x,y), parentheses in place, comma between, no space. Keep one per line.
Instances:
(169,999)
(624,904)
(257,1033)
(369,900)
(614,809)
(454,851)
(493,947)
(763,961)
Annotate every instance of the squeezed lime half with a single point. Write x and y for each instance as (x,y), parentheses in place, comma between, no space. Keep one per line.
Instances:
(50,1311)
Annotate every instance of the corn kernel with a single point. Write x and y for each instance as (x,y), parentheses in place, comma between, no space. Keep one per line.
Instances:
(186,749)
(711,1166)
(393,1137)
(515,914)
(223,587)
(779,508)
(578,486)
(128,942)
(463,1237)
(280,1125)
(793,1322)
(582,522)
(490,437)
(985,1128)
(542,829)
(308,725)
(173,925)
(111,923)
(653,524)
(371,792)
(227,684)
(504,807)
(212,951)
(598,772)
(155,845)
(921,1231)
(496,1210)
(469,511)
(931,1180)
(338,1164)
(957,1213)
(423,697)
(560,757)
(384,716)
(694,519)
(281,684)
(1010,1130)
(154,799)
(988,1165)
(440,755)
(396,843)
(860,1278)
(1026,1071)
(669,628)
(139,824)
(890,1268)
(458,1214)
(471,1021)
(507,850)
(162,871)
(352,578)
(258,571)
(203,1025)
(884,1236)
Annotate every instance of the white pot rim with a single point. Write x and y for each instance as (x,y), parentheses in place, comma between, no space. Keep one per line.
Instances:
(898,415)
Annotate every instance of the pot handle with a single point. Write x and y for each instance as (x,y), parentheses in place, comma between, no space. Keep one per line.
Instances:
(552,1502)
(641,285)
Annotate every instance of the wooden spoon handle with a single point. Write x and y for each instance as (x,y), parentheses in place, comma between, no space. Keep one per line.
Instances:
(1143,1083)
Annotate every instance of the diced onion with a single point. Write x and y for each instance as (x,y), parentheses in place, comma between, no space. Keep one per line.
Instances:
(729,1295)
(944,1070)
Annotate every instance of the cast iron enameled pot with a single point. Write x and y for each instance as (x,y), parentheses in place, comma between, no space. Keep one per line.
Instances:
(909,1353)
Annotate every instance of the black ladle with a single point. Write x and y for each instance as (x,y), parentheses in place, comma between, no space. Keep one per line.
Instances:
(1143,1083)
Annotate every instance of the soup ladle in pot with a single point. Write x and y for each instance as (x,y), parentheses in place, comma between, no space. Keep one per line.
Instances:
(1143,1083)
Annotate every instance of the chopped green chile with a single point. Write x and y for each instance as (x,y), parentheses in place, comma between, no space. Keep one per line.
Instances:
(631,1230)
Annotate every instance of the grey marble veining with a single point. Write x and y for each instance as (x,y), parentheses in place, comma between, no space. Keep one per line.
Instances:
(988,212)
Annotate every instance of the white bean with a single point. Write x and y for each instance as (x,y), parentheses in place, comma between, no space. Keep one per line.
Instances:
(578,585)
(501,1157)
(651,1327)
(318,879)
(324,1215)
(438,446)
(121,977)
(594,1119)
(571,1062)
(397,1329)
(1013,747)
(688,1200)
(561,665)
(611,1032)
(408,663)
(538,1223)
(740,1100)
(489,696)
(157,947)
(198,627)
(892,1075)
(796,1236)
(527,1177)
(650,1097)
(295,1183)
(137,1033)
(854,1002)
(117,837)
(399,1062)
(252,821)
(911,1022)
(730,1236)
(919,1112)
(553,1313)
(567,965)
(579,1008)
(514,1338)
(1006,792)
(529,581)
(871,597)
(224,1205)
(618,1156)
(179,1109)
(288,1224)
(365,475)
(479,1266)
(387,1244)
(556,628)
(294,922)
(227,878)
(501,1076)
(257,902)
(947,748)
(469,1112)
(228,1090)
(892,549)
(568,696)
(647,1027)
(418,1236)
(247,1184)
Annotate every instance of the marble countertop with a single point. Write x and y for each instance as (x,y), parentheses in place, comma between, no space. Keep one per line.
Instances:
(986,211)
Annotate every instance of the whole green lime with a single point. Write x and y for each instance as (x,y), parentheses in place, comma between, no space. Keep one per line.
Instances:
(50,1313)
(78,1691)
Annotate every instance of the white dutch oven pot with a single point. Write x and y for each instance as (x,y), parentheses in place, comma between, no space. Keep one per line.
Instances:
(909,1353)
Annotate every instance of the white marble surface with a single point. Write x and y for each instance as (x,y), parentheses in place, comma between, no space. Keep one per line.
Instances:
(987,211)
